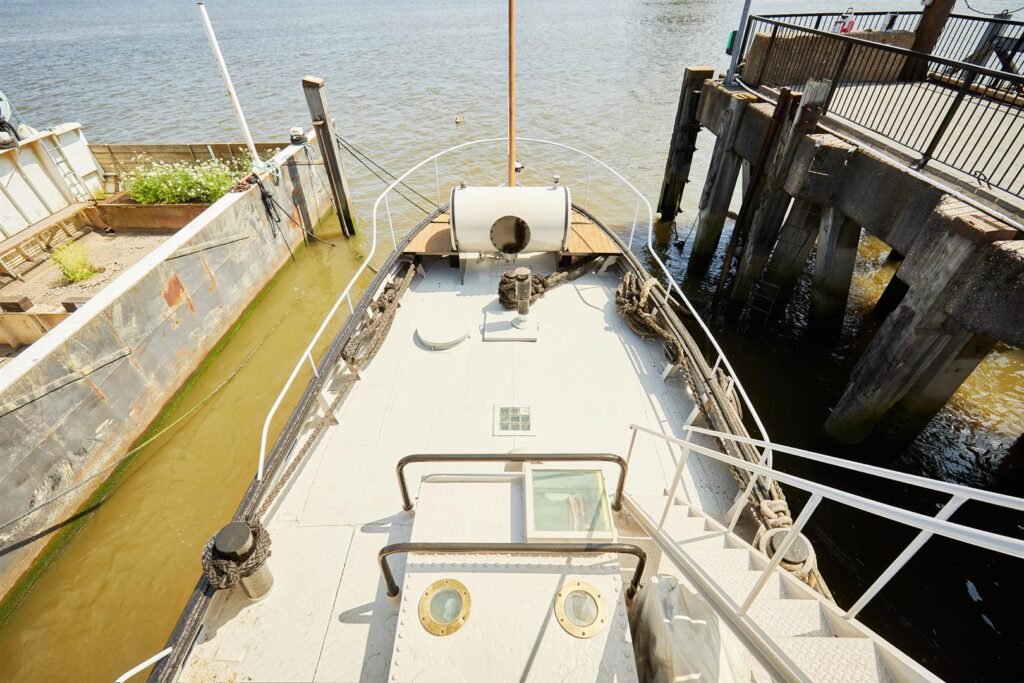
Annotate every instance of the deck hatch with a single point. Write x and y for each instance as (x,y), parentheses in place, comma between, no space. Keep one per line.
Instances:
(513,421)
(567,504)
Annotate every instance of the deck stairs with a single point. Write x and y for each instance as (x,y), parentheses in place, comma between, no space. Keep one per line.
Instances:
(805,637)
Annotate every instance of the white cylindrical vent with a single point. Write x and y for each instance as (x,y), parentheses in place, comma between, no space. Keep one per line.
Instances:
(510,220)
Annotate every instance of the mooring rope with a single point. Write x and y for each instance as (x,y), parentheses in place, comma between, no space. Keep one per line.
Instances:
(224,572)
(634,301)
(360,156)
(540,283)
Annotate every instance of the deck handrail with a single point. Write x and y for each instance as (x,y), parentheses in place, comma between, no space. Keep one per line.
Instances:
(510,457)
(510,548)
(640,200)
(926,525)
(981,495)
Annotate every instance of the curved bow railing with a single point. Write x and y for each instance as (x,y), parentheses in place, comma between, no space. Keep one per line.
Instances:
(720,362)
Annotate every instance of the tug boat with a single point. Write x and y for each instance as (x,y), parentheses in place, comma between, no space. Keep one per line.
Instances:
(523,457)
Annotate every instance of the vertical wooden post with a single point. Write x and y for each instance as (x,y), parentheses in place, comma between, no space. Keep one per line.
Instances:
(790,253)
(684,139)
(719,186)
(833,269)
(326,137)
(929,30)
(771,210)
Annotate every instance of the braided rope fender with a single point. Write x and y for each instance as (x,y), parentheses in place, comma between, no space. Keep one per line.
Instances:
(223,573)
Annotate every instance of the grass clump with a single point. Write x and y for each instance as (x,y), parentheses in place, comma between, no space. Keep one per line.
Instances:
(72,259)
(202,182)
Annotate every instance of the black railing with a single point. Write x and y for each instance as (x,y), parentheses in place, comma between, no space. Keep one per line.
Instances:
(511,457)
(512,549)
(960,114)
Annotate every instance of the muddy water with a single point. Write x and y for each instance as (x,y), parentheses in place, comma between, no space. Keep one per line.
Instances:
(110,598)
(599,74)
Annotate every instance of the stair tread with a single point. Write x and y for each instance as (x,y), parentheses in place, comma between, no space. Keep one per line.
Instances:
(737,583)
(835,660)
(791,617)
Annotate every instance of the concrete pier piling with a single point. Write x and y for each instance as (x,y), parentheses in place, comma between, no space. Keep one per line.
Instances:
(959,287)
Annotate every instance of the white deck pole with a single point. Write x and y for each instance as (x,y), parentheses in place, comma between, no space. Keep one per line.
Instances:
(230,87)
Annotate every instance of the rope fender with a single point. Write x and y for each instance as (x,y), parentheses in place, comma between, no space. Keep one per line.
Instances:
(222,572)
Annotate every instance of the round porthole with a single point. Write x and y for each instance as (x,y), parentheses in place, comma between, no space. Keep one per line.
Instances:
(580,609)
(444,607)
(510,234)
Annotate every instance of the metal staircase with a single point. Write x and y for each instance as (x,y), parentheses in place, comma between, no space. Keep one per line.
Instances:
(803,635)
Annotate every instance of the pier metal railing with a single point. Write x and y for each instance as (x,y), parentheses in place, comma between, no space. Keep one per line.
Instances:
(961,106)
(641,212)
(927,526)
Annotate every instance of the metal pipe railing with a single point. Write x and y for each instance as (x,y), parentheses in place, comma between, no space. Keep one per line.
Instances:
(510,457)
(512,548)
(928,526)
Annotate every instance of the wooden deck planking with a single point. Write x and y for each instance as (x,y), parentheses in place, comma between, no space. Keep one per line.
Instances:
(585,237)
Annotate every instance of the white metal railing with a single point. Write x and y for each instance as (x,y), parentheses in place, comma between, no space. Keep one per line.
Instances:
(307,354)
(926,525)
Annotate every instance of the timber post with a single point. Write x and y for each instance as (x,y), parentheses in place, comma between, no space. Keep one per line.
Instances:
(786,263)
(833,269)
(326,137)
(774,201)
(929,30)
(684,139)
(719,187)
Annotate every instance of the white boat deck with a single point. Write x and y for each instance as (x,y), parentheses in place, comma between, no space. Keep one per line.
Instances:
(586,379)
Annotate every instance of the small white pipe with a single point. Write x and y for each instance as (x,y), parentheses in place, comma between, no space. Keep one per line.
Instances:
(230,87)
(142,666)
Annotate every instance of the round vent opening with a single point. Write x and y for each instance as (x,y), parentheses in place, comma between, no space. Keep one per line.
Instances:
(510,234)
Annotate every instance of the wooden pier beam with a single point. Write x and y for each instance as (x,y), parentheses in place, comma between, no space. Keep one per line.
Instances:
(921,348)
(719,187)
(330,151)
(684,139)
(833,269)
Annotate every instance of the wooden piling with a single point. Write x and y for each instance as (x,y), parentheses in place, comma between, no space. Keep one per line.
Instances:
(684,139)
(774,201)
(789,256)
(719,187)
(330,151)
(833,269)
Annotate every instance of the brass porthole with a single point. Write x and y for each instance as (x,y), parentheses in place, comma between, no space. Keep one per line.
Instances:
(444,607)
(580,609)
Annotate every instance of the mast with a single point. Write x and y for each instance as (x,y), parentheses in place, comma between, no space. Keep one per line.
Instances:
(511,93)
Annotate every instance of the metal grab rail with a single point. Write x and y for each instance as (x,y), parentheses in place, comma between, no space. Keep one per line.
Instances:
(928,526)
(307,354)
(510,548)
(511,457)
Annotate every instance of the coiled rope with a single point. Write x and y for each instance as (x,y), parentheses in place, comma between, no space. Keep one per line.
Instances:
(365,343)
(633,301)
(224,572)
(540,283)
